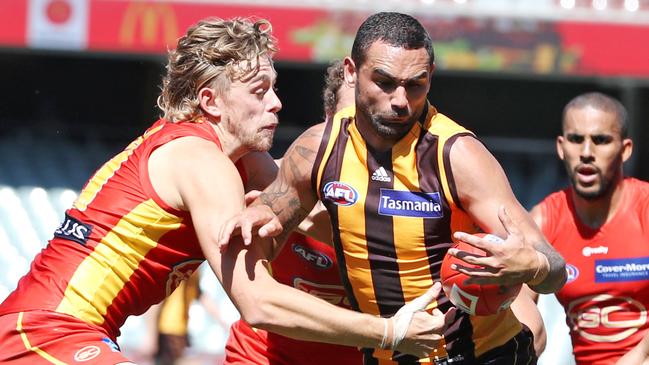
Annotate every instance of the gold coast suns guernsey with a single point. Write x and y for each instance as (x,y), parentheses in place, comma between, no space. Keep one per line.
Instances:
(393,214)
(120,248)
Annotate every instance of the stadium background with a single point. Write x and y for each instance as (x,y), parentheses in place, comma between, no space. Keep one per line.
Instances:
(79,79)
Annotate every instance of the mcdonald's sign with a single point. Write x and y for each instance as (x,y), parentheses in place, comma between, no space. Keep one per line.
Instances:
(148,24)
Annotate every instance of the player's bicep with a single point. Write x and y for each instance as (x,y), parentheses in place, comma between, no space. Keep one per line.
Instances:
(291,195)
(481,184)
(260,169)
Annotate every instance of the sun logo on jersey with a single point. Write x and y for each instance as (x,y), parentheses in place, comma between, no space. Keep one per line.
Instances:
(179,273)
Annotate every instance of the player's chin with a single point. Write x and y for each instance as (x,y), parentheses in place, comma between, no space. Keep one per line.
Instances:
(262,142)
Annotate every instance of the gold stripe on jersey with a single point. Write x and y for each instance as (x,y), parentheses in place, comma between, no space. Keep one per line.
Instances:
(446,129)
(484,336)
(409,241)
(28,345)
(342,113)
(101,276)
(101,177)
(355,250)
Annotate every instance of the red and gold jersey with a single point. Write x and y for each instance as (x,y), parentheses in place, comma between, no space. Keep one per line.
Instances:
(393,213)
(120,248)
(607,293)
(308,265)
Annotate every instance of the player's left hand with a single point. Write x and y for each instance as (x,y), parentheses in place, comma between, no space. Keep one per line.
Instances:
(258,219)
(510,262)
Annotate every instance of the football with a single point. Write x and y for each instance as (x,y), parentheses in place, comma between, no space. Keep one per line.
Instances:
(477,300)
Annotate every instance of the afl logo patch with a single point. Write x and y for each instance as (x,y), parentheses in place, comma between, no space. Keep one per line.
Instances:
(318,259)
(340,193)
(572,272)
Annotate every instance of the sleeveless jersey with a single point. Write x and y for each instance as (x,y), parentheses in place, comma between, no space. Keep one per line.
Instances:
(607,293)
(120,248)
(174,310)
(393,215)
(309,265)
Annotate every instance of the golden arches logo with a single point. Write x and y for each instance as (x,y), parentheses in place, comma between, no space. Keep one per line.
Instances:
(153,19)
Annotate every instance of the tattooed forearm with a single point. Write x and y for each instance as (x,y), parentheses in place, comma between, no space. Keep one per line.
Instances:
(557,274)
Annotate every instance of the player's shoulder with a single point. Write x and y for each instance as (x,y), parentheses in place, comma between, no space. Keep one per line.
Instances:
(640,187)
(311,136)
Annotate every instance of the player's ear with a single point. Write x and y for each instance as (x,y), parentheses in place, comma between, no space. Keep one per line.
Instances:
(560,141)
(627,148)
(349,72)
(208,101)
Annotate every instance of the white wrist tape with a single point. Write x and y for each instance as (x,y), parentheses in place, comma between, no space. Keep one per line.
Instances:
(404,316)
(384,340)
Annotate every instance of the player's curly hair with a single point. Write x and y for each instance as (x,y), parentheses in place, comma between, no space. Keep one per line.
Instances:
(213,51)
(333,81)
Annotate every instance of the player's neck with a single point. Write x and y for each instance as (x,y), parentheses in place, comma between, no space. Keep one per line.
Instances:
(230,144)
(597,212)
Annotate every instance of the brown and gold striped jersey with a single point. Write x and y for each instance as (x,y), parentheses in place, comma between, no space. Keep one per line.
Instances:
(393,214)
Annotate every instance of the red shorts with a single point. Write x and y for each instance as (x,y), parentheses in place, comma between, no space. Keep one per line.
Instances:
(43,337)
(246,346)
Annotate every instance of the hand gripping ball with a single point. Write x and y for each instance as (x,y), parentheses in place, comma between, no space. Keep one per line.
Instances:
(477,300)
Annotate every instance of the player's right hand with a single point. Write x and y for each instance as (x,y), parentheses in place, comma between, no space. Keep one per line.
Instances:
(258,219)
(417,332)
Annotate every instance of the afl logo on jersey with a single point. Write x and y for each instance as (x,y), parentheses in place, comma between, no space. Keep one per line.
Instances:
(572,272)
(340,193)
(316,258)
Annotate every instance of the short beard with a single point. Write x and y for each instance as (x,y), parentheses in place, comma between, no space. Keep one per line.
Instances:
(260,142)
(606,185)
(392,132)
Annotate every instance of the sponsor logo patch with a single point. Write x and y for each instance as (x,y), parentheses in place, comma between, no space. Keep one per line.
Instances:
(630,269)
(74,230)
(410,204)
(605,318)
(340,193)
(381,175)
(589,251)
(87,353)
(573,273)
(316,258)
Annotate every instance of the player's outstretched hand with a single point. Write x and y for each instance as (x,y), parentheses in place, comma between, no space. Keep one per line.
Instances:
(417,332)
(258,219)
(511,262)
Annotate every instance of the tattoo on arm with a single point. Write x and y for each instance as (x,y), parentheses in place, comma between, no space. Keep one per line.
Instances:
(283,196)
(556,276)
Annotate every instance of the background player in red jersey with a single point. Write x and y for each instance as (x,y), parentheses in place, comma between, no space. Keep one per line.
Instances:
(600,224)
(148,217)
(308,265)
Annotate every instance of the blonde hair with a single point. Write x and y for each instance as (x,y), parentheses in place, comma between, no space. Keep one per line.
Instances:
(213,51)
